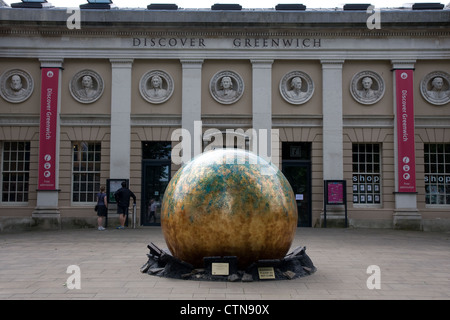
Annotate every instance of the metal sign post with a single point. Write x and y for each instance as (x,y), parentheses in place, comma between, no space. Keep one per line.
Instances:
(134,215)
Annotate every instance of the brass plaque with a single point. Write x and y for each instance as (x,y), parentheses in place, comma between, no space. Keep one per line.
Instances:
(266,273)
(219,269)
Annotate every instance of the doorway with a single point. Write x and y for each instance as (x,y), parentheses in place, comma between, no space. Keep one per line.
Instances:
(155,178)
(296,166)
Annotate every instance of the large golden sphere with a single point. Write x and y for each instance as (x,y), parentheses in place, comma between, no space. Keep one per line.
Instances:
(228,202)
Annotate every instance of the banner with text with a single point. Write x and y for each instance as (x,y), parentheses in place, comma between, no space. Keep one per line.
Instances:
(405,131)
(48,128)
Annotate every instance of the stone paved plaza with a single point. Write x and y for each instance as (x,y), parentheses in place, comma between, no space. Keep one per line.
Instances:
(412,265)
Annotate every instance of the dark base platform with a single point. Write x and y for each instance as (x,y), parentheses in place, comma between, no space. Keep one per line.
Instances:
(294,265)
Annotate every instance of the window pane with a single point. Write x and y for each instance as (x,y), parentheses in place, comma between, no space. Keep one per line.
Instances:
(86,166)
(156,149)
(15,169)
(437,173)
(366,173)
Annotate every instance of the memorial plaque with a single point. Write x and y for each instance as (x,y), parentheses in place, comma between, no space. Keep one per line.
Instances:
(266,273)
(220,269)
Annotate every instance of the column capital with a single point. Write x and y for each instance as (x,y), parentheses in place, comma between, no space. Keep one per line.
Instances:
(262,63)
(51,62)
(121,62)
(192,63)
(403,63)
(332,63)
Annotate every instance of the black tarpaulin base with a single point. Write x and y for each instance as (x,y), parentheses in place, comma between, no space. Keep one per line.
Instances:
(294,265)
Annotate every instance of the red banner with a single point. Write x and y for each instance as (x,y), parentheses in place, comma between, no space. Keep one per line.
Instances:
(48,128)
(405,131)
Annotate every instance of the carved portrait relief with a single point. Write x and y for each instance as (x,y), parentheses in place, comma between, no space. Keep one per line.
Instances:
(226,87)
(367,87)
(156,86)
(86,86)
(16,85)
(296,87)
(435,88)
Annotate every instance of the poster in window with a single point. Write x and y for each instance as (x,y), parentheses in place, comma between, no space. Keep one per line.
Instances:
(377,198)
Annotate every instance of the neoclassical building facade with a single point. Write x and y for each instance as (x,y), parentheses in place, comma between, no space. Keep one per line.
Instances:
(92,97)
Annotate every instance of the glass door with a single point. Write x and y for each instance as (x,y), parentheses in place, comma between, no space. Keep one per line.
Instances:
(299,176)
(155,178)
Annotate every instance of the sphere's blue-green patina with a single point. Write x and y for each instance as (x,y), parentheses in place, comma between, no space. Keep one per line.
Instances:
(228,202)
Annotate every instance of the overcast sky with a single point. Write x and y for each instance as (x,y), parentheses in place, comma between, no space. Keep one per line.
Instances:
(201,4)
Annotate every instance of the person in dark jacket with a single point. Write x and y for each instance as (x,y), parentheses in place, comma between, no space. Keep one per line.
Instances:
(122,197)
(102,208)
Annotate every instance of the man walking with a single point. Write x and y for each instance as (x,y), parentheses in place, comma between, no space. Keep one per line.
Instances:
(122,197)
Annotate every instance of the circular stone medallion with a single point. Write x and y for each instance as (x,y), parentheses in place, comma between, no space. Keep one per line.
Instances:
(16,85)
(367,87)
(435,88)
(86,86)
(296,87)
(156,86)
(226,87)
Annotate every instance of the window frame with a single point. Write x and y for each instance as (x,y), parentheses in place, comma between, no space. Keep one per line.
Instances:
(26,160)
(376,188)
(87,162)
(428,168)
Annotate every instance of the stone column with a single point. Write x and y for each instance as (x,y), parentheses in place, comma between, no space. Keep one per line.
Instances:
(191,103)
(120,145)
(46,215)
(333,152)
(406,215)
(262,105)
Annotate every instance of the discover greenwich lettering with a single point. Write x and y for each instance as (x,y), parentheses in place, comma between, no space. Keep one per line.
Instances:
(48,114)
(175,42)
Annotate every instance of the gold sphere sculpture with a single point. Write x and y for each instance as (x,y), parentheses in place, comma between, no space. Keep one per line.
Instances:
(228,202)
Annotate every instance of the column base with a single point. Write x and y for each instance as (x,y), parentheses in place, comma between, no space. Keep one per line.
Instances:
(407,219)
(46,219)
(406,215)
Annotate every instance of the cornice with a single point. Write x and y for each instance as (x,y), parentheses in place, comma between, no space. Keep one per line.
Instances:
(15,120)
(144,120)
(81,120)
(359,32)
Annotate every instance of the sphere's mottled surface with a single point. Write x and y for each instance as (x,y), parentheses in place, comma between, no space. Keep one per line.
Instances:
(228,202)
